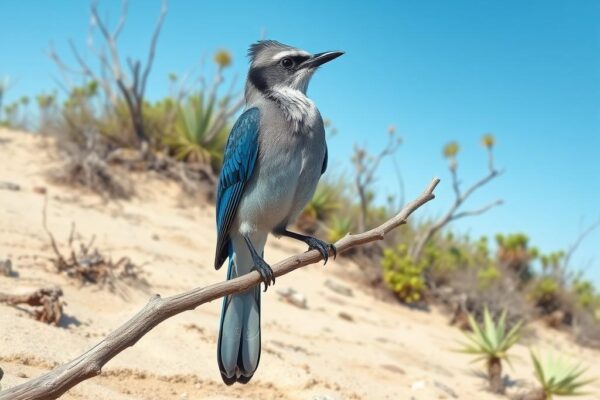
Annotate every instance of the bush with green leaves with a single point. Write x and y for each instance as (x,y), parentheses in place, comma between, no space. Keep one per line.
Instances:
(491,343)
(402,275)
(557,377)
(515,254)
(546,294)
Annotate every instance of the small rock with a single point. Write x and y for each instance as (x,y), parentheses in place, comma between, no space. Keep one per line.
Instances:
(22,375)
(9,186)
(418,385)
(338,288)
(346,316)
(293,297)
(40,190)
(155,237)
(198,386)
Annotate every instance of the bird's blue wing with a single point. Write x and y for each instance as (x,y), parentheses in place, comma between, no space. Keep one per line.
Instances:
(240,157)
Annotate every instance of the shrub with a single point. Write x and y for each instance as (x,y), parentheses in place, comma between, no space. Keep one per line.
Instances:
(402,275)
(514,254)
(546,294)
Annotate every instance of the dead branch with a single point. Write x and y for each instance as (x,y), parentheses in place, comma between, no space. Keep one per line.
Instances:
(48,299)
(112,77)
(87,264)
(365,166)
(573,248)
(56,382)
(460,197)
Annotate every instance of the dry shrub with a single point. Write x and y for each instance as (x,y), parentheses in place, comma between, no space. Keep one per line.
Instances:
(465,293)
(86,164)
(586,328)
(88,265)
(50,306)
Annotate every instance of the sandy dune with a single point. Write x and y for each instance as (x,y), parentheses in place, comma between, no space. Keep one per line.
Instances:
(384,351)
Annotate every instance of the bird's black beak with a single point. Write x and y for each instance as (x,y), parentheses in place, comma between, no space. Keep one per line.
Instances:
(321,58)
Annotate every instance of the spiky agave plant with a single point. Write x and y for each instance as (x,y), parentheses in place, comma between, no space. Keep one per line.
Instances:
(194,139)
(491,342)
(324,202)
(557,377)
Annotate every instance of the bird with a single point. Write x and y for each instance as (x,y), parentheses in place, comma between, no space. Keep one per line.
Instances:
(274,157)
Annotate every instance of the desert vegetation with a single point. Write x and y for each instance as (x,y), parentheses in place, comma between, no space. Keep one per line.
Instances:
(105,131)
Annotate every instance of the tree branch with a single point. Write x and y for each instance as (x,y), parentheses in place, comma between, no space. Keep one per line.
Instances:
(582,235)
(478,211)
(460,197)
(56,382)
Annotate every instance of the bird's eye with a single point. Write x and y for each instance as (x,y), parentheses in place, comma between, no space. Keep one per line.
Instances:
(287,63)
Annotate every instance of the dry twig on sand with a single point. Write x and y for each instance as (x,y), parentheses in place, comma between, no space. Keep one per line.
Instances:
(86,263)
(47,298)
(56,382)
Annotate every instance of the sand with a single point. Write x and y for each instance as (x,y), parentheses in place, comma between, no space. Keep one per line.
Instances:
(339,347)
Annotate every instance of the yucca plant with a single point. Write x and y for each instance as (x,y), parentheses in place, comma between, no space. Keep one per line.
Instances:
(557,377)
(324,202)
(195,139)
(491,342)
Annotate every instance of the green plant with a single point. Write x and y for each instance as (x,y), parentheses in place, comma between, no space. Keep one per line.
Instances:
(195,138)
(488,275)
(585,293)
(402,275)
(338,227)
(515,254)
(557,377)
(545,294)
(491,342)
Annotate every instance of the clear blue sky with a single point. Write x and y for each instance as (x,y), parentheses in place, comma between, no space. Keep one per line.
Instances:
(528,71)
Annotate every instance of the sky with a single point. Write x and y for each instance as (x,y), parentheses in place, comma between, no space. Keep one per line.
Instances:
(528,72)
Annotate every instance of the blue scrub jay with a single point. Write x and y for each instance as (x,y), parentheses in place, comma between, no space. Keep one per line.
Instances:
(274,157)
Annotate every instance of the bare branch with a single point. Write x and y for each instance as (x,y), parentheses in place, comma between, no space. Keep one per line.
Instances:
(585,233)
(460,197)
(48,300)
(122,19)
(365,167)
(151,52)
(478,211)
(56,382)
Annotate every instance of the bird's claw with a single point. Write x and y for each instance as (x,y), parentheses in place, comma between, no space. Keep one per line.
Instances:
(265,271)
(322,247)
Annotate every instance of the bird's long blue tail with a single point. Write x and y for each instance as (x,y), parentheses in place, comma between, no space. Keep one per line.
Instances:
(238,349)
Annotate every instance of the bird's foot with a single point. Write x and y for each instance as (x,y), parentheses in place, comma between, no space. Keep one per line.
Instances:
(322,247)
(265,271)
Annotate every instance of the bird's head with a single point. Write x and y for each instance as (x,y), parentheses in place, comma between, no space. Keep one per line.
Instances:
(274,66)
